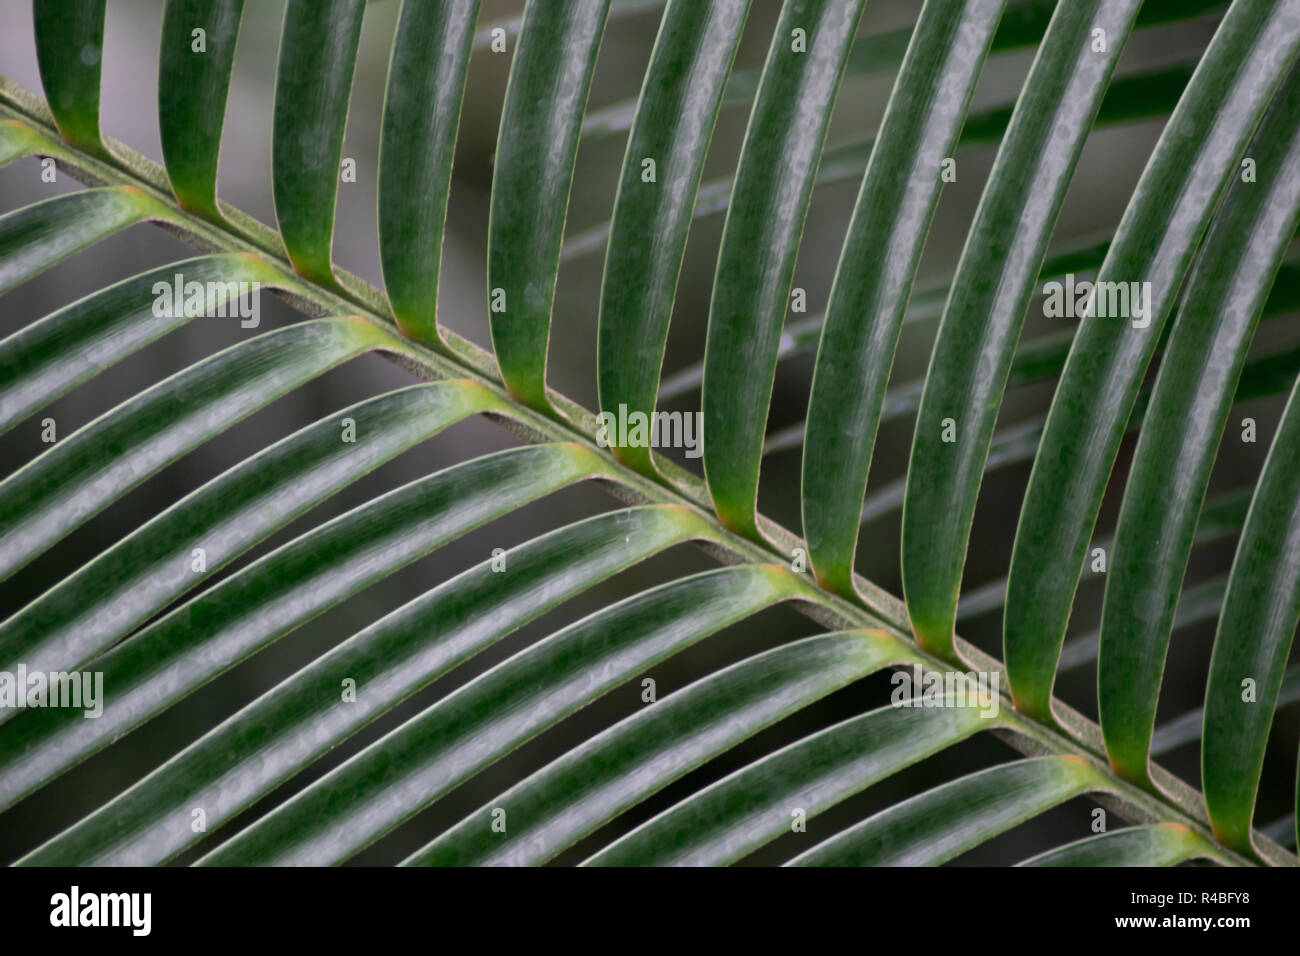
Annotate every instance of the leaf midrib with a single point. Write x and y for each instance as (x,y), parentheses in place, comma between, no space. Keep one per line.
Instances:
(1075,733)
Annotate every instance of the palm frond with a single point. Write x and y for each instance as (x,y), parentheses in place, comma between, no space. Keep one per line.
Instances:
(340,755)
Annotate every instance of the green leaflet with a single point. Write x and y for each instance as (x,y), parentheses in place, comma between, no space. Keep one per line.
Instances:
(276,594)
(1022,25)
(81,474)
(318,51)
(1221,516)
(293,724)
(1266,375)
(17,140)
(61,351)
(422,103)
(479,723)
(802,338)
(530,185)
(1181,430)
(143,573)
(760,240)
(1162,844)
(1256,628)
(1200,602)
(1186,728)
(740,813)
(39,236)
(1035,360)
(943,823)
(1193,160)
(1139,96)
(980,326)
(507,28)
(193,80)
(1008,447)
(873,277)
(591,784)
(675,117)
(69,47)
